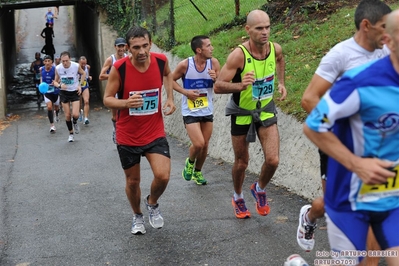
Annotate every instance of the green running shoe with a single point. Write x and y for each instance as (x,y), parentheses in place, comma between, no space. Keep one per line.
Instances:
(188,171)
(199,178)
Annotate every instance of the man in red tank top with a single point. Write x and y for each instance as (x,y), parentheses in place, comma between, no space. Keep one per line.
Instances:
(137,80)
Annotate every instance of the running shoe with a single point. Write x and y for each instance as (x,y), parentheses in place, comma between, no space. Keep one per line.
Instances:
(154,215)
(188,171)
(199,178)
(70,138)
(86,121)
(240,210)
(76,128)
(52,129)
(262,207)
(138,224)
(305,232)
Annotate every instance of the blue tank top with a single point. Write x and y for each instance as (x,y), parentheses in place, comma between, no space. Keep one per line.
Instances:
(48,77)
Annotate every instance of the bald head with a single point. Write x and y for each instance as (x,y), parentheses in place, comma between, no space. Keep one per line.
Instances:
(255,16)
(392,23)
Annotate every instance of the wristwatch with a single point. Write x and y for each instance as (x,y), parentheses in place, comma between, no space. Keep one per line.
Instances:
(60,85)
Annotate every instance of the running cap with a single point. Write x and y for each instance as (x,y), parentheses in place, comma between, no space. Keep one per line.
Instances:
(47,57)
(57,56)
(120,41)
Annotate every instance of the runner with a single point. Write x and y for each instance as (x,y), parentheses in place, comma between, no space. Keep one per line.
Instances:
(198,74)
(50,17)
(364,46)
(35,69)
(120,52)
(85,90)
(51,97)
(356,125)
(67,80)
(249,74)
(138,81)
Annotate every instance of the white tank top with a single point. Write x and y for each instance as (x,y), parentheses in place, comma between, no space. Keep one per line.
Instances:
(69,76)
(201,81)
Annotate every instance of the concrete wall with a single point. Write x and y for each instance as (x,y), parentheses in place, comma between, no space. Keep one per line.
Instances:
(106,40)
(7,54)
(87,36)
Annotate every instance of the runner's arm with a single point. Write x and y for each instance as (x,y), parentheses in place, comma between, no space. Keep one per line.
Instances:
(280,69)
(370,170)
(107,65)
(317,87)
(169,106)
(234,62)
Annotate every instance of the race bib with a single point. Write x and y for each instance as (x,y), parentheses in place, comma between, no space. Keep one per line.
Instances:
(150,103)
(67,80)
(263,89)
(199,103)
(387,189)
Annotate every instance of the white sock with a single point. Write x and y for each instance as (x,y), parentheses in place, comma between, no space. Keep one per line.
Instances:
(238,196)
(258,189)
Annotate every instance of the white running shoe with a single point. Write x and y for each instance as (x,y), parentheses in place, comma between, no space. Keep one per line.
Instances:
(76,128)
(138,224)
(70,138)
(305,231)
(154,215)
(52,129)
(295,260)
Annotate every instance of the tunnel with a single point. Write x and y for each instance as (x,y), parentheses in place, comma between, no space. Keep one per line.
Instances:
(86,40)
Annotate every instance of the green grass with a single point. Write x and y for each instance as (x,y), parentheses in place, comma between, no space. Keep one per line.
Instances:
(304,44)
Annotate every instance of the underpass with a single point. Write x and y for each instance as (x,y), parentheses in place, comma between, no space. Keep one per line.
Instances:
(78,31)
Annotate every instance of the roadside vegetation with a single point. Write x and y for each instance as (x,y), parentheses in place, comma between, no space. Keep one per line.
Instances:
(306,30)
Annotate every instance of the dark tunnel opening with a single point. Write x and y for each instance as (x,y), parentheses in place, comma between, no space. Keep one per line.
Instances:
(86,41)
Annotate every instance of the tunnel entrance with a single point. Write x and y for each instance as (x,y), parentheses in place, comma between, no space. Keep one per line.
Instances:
(76,30)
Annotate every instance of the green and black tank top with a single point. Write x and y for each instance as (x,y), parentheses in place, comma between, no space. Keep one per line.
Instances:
(263,88)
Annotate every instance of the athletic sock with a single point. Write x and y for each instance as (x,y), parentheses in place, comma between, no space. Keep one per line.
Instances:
(69,125)
(258,189)
(238,196)
(50,116)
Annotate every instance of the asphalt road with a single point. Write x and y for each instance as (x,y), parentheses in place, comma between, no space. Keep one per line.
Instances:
(64,203)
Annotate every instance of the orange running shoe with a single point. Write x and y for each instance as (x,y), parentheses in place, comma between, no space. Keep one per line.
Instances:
(262,207)
(240,210)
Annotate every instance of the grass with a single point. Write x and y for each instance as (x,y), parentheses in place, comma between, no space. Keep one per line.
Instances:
(303,43)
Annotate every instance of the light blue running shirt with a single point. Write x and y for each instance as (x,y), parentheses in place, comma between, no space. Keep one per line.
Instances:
(362,109)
